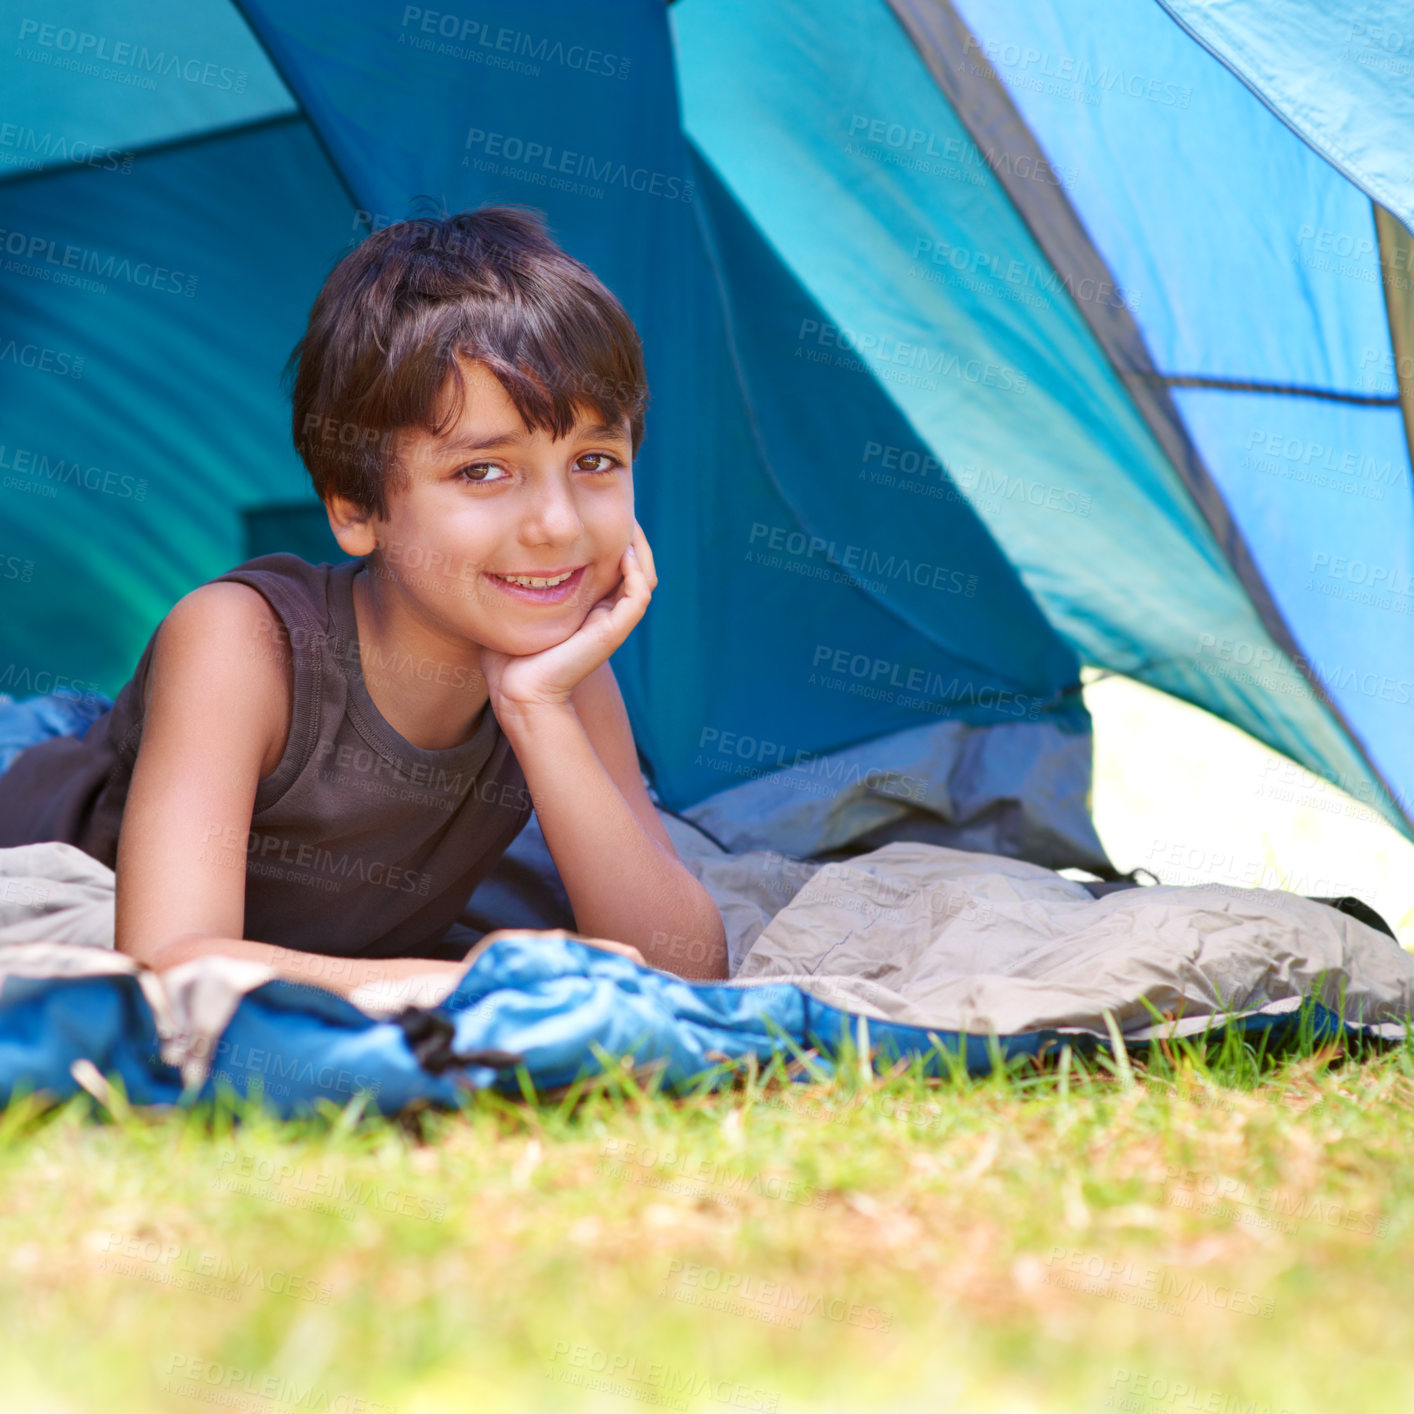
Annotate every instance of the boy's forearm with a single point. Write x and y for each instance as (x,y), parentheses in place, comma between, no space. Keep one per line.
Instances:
(335,974)
(622,883)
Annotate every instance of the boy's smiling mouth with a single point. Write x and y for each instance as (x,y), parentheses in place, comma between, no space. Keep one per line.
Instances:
(547,587)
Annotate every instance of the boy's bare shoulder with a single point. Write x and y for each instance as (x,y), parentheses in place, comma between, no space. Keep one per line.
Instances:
(224,649)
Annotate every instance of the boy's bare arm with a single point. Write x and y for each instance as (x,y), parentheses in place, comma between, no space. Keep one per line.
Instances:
(395,979)
(565,719)
(218,702)
(618,864)
(335,974)
(217,718)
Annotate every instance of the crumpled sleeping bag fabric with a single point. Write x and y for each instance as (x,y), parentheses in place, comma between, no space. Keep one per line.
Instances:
(909,950)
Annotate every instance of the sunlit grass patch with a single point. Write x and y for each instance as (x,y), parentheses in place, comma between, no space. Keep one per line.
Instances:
(1069,1234)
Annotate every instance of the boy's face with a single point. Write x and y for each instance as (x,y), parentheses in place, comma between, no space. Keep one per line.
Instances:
(490,502)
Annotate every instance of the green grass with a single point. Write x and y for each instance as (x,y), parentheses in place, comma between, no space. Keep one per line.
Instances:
(1213,1229)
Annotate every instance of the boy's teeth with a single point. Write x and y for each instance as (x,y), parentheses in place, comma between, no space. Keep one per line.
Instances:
(533,582)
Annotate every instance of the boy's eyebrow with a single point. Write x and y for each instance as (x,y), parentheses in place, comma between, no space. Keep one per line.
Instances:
(484,441)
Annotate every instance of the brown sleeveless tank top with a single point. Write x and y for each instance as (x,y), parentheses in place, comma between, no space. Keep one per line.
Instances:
(360,844)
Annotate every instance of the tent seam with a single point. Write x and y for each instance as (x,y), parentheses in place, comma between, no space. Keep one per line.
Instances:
(334,165)
(1327,151)
(159,148)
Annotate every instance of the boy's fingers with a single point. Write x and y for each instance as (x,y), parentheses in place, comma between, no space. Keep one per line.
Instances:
(609,945)
(645,555)
(619,618)
(636,566)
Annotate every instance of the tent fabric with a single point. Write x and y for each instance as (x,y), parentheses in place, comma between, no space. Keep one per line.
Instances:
(908,441)
(1251,268)
(942,245)
(949,397)
(980,98)
(1338,77)
(1018,789)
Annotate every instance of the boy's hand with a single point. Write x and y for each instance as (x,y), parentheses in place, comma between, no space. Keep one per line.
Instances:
(605,944)
(524,684)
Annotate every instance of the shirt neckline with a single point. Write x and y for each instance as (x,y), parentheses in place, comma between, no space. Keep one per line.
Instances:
(471,754)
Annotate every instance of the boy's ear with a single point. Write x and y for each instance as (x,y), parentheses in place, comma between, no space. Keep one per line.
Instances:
(352,527)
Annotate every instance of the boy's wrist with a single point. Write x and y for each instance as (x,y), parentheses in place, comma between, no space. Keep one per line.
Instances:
(525,719)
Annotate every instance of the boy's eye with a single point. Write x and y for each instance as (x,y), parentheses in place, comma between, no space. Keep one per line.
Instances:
(613,461)
(476,473)
(485,473)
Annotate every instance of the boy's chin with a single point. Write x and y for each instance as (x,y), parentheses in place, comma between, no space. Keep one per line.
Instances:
(536,640)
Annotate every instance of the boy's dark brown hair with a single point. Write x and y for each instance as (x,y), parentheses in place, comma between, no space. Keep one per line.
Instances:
(488,284)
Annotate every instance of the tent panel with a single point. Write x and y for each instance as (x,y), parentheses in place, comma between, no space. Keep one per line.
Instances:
(1013,155)
(1239,251)
(877,505)
(930,267)
(141,408)
(1338,75)
(1324,493)
(87,83)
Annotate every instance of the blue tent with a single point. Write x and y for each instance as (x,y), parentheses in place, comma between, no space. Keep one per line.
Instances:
(985,339)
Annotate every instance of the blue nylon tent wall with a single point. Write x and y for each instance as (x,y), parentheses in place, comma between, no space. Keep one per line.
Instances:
(718,165)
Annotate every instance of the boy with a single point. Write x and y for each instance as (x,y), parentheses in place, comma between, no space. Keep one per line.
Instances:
(314,762)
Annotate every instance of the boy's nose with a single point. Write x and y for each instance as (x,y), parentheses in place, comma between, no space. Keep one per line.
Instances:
(554,520)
